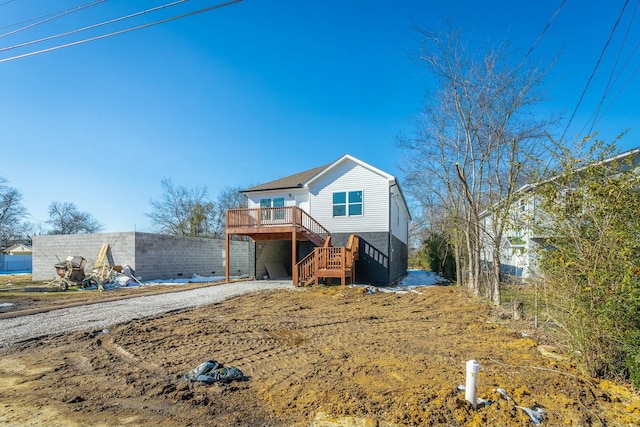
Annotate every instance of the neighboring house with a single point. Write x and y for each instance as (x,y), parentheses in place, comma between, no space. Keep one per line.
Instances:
(520,241)
(16,258)
(317,212)
(19,249)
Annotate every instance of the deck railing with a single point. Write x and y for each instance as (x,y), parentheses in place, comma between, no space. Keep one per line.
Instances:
(272,217)
(329,261)
(331,258)
(326,259)
(306,269)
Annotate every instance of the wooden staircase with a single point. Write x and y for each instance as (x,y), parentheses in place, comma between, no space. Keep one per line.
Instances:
(293,223)
(328,262)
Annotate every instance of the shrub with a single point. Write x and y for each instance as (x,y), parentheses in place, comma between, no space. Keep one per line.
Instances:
(591,261)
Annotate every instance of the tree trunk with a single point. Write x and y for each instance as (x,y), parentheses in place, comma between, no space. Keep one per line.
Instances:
(473,246)
(494,283)
(518,309)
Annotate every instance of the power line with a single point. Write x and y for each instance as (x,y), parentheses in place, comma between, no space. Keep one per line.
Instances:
(126,30)
(100,24)
(44,17)
(7,2)
(595,68)
(633,74)
(51,18)
(535,43)
(596,116)
(541,35)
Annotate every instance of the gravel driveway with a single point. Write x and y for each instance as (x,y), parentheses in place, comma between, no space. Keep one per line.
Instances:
(101,315)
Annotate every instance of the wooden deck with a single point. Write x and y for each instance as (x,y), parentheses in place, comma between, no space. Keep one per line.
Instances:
(276,224)
(294,224)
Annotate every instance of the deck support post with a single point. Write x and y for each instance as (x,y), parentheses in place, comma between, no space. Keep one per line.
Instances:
(294,258)
(227,256)
(343,265)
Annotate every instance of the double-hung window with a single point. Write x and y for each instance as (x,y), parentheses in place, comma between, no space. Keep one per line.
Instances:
(347,203)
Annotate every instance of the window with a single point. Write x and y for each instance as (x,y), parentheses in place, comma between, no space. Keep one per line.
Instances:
(347,203)
(269,214)
(355,203)
(265,214)
(278,203)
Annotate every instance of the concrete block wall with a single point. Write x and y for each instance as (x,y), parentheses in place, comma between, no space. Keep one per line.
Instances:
(272,251)
(373,265)
(399,259)
(50,250)
(152,256)
(242,256)
(165,257)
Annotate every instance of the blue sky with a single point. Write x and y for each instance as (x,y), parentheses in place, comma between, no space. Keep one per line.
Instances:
(261,89)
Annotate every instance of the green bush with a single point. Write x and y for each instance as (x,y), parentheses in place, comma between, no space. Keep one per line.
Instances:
(591,261)
(438,253)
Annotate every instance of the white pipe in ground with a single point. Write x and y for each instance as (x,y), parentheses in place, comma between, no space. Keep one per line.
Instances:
(473,367)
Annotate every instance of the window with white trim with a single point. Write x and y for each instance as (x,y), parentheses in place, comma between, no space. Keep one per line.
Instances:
(347,203)
(268,214)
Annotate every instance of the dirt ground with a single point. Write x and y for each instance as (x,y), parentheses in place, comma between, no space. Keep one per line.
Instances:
(319,357)
(12,290)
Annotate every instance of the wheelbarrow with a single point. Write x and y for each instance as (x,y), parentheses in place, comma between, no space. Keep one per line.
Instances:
(71,271)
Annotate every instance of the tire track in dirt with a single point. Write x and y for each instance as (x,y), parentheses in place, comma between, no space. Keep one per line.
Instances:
(339,351)
(121,310)
(286,352)
(283,351)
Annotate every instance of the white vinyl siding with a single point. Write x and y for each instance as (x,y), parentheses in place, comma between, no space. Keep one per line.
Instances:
(289,197)
(399,217)
(345,177)
(382,204)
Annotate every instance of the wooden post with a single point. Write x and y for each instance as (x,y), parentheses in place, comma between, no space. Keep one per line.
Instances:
(294,267)
(343,262)
(316,260)
(226,264)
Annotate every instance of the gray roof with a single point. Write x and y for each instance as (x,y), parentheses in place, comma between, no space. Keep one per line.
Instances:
(292,181)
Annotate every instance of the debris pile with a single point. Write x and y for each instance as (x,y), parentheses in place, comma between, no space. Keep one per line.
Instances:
(71,272)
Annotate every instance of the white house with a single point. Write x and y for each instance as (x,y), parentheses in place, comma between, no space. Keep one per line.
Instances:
(289,217)
(520,242)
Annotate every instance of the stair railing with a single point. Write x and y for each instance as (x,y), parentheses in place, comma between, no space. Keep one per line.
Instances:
(306,269)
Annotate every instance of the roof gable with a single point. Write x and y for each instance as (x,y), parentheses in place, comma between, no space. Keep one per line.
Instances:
(17,249)
(349,158)
(303,179)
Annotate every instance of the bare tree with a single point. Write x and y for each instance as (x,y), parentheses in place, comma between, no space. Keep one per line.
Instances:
(11,213)
(474,138)
(65,218)
(229,198)
(181,211)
